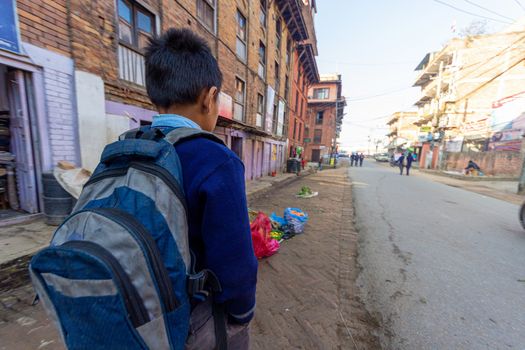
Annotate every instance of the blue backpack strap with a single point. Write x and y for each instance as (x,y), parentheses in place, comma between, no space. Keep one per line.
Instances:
(183,134)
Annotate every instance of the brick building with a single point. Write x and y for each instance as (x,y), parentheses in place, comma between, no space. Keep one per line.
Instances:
(75,76)
(305,74)
(325,117)
(252,41)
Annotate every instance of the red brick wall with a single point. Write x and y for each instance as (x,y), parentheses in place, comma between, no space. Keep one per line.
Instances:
(491,163)
(92,41)
(44,23)
(301,89)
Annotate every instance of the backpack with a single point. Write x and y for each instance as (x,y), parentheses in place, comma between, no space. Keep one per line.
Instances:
(119,273)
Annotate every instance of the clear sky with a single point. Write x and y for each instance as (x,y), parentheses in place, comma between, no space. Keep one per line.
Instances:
(376,44)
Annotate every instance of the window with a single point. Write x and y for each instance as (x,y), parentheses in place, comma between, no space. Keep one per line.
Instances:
(302,105)
(319,118)
(278,34)
(262,14)
(300,131)
(296,101)
(277,77)
(275,118)
(298,75)
(318,135)
(306,132)
(262,60)
(260,110)
(241,36)
(240,94)
(294,128)
(206,13)
(288,51)
(136,24)
(321,94)
(286,87)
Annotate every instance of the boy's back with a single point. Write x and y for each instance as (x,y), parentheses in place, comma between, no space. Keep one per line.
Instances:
(219,228)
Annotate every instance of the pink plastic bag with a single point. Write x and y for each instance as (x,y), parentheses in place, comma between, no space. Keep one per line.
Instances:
(263,244)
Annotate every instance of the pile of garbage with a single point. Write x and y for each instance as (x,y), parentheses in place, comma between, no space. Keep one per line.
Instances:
(268,232)
(306,192)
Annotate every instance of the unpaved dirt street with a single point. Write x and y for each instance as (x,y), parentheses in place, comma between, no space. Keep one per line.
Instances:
(307,298)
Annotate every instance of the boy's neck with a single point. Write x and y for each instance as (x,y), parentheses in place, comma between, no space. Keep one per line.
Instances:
(189,112)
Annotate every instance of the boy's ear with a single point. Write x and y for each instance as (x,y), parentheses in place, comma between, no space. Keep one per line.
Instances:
(210,99)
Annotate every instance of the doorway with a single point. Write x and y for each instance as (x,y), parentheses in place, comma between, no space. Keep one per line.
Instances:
(18,183)
(236,146)
(316,155)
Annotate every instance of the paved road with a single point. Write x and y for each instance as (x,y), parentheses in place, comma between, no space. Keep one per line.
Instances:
(443,268)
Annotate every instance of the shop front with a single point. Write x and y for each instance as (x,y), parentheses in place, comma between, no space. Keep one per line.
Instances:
(31,141)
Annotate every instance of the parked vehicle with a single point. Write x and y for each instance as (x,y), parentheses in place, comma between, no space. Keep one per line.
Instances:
(382,157)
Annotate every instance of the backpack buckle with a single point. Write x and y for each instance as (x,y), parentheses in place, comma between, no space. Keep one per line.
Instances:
(203,283)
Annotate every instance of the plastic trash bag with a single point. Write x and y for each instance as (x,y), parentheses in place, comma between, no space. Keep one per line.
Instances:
(263,244)
(295,219)
(278,220)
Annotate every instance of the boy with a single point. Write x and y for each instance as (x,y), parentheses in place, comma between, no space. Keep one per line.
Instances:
(183,81)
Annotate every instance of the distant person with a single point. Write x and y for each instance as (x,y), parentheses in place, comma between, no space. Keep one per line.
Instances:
(471,167)
(361,158)
(320,163)
(401,161)
(409,160)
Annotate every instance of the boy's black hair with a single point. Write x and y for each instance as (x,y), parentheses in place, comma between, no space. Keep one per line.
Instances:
(179,66)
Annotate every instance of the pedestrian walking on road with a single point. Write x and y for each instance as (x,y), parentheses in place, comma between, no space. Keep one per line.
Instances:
(409,160)
(352,158)
(401,161)
(361,158)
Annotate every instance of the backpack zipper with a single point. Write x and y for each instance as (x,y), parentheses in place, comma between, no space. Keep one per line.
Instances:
(149,168)
(132,300)
(148,245)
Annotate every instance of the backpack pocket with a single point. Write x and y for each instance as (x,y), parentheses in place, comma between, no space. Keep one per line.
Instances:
(84,287)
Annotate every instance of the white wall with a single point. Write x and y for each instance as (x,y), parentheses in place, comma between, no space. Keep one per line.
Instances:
(91,117)
(116,125)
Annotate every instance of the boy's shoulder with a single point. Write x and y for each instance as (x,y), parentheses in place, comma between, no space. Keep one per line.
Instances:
(204,155)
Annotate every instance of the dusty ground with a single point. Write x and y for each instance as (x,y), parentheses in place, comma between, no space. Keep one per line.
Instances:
(307,298)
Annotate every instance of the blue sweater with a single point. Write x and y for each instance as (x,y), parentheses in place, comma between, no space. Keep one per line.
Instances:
(219,227)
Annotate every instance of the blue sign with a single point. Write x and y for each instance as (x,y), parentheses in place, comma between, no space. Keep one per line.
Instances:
(9,39)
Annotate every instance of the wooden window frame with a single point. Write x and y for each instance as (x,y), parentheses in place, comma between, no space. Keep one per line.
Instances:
(136,7)
(245,40)
(235,101)
(213,5)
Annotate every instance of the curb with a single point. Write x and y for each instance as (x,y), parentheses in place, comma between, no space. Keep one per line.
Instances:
(468,178)
(14,273)
(272,186)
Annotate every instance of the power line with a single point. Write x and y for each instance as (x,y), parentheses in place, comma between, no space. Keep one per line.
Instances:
(488,10)
(349,99)
(520,5)
(470,13)
(366,64)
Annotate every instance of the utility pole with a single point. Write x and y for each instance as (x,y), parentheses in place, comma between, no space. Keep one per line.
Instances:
(369,145)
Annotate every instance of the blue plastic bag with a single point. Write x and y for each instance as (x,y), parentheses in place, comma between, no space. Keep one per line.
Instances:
(296,219)
(279,220)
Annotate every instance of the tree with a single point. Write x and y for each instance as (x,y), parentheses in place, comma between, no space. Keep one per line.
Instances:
(476,27)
